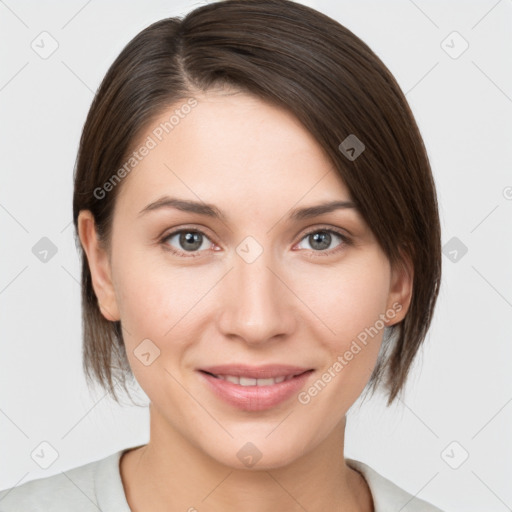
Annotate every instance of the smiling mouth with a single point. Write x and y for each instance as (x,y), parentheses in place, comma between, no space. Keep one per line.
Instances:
(251,381)
(255,388)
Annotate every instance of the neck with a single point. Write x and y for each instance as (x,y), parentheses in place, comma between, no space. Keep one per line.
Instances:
(171,474)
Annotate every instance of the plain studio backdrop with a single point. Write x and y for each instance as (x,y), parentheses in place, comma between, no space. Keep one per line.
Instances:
(449,440)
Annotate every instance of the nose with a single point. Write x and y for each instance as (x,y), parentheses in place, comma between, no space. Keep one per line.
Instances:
(256,305)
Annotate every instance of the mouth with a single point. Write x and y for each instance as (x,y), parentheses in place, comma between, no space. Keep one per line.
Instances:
(252,388)
(245,380)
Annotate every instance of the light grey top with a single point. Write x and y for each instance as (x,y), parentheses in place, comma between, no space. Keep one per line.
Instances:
(98,486)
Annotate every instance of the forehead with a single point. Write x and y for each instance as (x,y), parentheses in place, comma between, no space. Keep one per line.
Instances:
(233,149)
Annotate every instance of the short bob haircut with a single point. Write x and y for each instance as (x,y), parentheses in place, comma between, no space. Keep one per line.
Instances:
(291,56)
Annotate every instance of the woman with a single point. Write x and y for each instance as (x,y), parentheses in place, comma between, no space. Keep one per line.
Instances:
(261,245)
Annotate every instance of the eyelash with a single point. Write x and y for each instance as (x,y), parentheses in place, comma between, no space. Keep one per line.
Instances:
(346,241)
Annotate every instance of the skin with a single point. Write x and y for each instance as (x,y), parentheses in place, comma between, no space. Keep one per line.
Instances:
(292,305)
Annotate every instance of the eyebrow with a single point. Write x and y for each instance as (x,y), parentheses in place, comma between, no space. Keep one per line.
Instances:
(210,210)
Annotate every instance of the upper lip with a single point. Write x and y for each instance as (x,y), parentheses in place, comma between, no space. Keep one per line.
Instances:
(255,372)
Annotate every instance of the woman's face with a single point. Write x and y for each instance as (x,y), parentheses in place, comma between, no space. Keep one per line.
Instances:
(257,288)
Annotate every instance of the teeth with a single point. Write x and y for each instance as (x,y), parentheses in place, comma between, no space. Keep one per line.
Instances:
(263,382)
(244,381)
(247,381)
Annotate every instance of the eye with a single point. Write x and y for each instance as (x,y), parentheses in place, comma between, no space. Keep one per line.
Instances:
(189,242)
(322,239)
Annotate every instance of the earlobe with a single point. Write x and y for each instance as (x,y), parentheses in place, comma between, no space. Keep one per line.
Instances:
(99,266)
(401,287)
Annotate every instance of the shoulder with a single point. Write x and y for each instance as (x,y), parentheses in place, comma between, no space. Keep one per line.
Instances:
(85,488)
(387,495)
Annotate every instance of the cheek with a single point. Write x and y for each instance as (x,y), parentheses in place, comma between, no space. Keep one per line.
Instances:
(361,300)
(163,305)
(347,299)
(143,300)
(351,305)
(149,310)
(150,296)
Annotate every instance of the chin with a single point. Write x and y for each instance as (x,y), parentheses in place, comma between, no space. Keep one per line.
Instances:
(258,455)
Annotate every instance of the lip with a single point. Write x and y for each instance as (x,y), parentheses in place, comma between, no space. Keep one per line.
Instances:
(255,398)
(255,372)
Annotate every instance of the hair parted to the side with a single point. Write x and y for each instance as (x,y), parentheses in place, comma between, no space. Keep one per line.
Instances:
(298,58)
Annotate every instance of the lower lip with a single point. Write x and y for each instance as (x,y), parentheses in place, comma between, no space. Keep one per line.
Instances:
(256,398)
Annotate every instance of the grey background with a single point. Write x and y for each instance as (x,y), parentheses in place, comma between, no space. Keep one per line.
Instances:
(459,396)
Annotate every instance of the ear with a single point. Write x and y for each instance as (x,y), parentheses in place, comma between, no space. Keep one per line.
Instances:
(401,287)
(99,266)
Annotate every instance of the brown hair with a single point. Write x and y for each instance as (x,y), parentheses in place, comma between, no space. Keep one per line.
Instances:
(292,56)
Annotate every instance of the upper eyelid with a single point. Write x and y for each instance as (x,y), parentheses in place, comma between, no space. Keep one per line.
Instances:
(338,231)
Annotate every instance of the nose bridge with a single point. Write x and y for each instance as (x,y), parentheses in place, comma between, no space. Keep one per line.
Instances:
(257,305)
